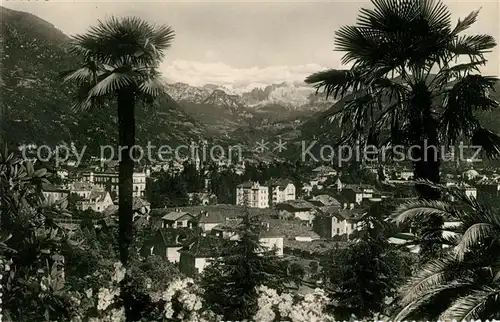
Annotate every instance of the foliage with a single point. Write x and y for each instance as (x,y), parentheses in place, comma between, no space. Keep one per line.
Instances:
(231,280)
(464,283)
(171,190)
(290,307)
(365,272)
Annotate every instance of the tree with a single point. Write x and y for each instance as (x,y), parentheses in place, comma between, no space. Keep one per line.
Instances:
(230,281)
(34,287)
(364,273)
(464,284)
(403,88)
(120,58)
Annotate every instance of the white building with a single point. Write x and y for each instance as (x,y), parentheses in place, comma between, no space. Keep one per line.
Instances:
(98,201)
(110,179)
(52,193)
(281,191)
(253,195)
(470,174)
(84,189)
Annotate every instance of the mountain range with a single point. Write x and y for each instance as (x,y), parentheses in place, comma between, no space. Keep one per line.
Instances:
(224,110)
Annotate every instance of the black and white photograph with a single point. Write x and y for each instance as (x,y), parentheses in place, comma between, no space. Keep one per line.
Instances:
(257,161)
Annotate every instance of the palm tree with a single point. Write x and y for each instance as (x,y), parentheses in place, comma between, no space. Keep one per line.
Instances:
(120,60)
(464,284)
(405,87)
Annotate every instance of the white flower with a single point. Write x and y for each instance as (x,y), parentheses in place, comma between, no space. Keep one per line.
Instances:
(120,272)
(105,298)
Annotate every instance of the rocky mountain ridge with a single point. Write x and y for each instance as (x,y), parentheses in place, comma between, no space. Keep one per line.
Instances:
(291,96)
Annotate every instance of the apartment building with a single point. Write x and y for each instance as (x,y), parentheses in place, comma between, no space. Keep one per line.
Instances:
(109,180)
(253,195)
(281,191)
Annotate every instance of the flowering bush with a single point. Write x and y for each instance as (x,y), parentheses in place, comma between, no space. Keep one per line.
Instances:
(183,300)
(275,307)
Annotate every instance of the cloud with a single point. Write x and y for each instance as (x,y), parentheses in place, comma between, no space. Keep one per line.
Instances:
(199,73)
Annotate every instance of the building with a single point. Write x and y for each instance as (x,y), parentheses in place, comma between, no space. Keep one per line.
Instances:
(470,174)
(325,200)
(469,190)
(140,207)
(280,191)
(210,219)
(253,195)
(357,193)
(97,201)
(165,244)
(197,255)
(83,189)
(308,237)
(342,222)
(53,193)
(405,175)
(272,240)
(176,218)
(269,237)
(324,171)
(109,180)
(202,198)
(300,209)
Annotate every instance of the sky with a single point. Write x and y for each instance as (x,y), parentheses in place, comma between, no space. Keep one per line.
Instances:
(242,43)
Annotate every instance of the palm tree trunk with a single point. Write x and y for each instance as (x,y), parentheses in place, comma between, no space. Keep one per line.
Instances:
(426,167)
(126,123)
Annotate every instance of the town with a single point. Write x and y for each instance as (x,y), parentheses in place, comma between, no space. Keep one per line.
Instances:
(308,216)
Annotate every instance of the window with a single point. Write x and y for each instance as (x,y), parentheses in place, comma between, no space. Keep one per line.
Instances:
(338,231)
(179,223)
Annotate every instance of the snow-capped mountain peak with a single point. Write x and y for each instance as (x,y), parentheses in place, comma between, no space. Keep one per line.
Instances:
(292,95)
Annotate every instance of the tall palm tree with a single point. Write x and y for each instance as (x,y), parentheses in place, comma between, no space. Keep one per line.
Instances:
(465,283)
(120,60)
(414,81)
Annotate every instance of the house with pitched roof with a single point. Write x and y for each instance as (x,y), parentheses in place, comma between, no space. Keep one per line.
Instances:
(98,201)
(140,207)
(167,243)
(195,256)
(176,218)
(324,201)
(84,189)
(322,173)
(301,209)
(280,191)
(341,222)
(207,220)
(269,238)
(54,193)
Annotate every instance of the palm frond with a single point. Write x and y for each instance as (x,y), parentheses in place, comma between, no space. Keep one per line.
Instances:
(488,140)
(472,45)
(473,236)
(131,39)
(464,24)
(431,295)
(433,274)
(112,83)
(82,75)
(335,82)
(471,307)
(421,208)
(152,87)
